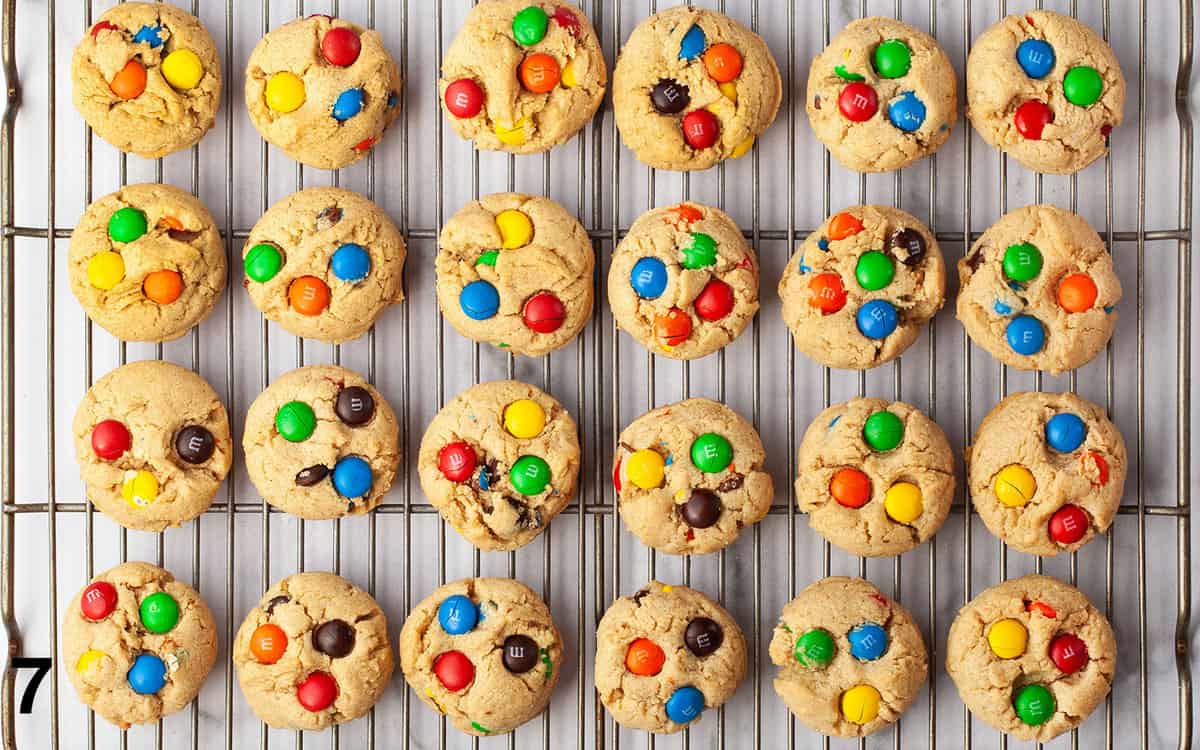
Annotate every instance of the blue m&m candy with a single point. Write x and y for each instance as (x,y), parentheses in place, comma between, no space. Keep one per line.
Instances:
(685,704)
(149,35)
(458,615)
(348,104)
(479,300)
(1025,335)
(649,278)
(351,262)
(693,44)
(1065,432)
(148,674)
(868,641)
(352,476)
(1036,57)
(907,112)
(877,319)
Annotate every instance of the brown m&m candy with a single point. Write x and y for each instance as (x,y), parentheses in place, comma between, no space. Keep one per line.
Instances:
(355,406)
(195,444)
(703,636)
(702,509)
(334,638)
(312,475)
(520,654)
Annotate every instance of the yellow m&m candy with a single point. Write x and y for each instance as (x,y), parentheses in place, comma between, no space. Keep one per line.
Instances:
(860,704)
(105,270)
(742,148)
(183,69)
(729,91)
(516,230)
(140,488)
(569,79)
(524,419)
(89,661)
(285,92)
(1014,486)
(903,503)
(646,469)
(512,135)
(1007,638)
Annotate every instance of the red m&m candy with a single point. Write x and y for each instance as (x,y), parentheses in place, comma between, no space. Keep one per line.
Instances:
(544,313)
(340,46)
(1030,118)
(700,128)
(673,327)
(98,600)
(464,98)
(567,20)
(858,102)
(457,461)
(1092,458)
(715,301)
(1068,524)
(317,692)
(1069,653)
(102,26)
(110,440)
(454,670)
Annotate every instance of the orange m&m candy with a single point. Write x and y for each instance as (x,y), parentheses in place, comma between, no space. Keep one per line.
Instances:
(163,287)
(539,73)
(850,487)
(130,81)
(685,214)
(722,62)
(844,225)
(308,295)
(674,327)
(828,293)
(267,643)
(644,657)
(1077,293)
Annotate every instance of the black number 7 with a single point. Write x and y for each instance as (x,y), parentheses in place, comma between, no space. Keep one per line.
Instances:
(42,665)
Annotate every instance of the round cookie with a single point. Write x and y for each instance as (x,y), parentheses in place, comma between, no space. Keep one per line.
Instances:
(1045,89)
(689,477)
(881,95)
(683,281)
(499,462)
(324,263)
(147,262)
(1038,290)
(692,88)
(1032,657)
(522,76)
(483,651)
(322,90)
(875,478)
(664,655)
(321,442)
(152,442)
(860,288)
(137,644)
(515,271)
(1047,471)
(850,659)
(313,653)
(147,78)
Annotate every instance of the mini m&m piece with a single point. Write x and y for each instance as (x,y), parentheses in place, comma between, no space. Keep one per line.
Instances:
(130,81)
(163,287)
(89,661)
(715,300)
(702,509)
(350,262)
(140,488)
(648,278)
(104,26)
(644,657)
(1031,118)
(858,102)
(868,641)
(1069,653)
(877,319)
(1034,704)
(147,34)
(126,224)
(308,295)
(159,612)
(1014,486)
(844,225)
(183,69)
(1077,293)
(700,128)
(464,98)
(711,453)
(883,431)
(874,270)
(673,327)
(544,313)
(703,636)
(1069,524)
(860,704)
(814,648)
(105,270)
(352,476)
(1094,467)
(850,488)
(524,418)
(1025,335)
(907,112)
(317,692)
(1065,432)
(312,475)
(457,615)
(723,62)
(148,674)
(1082,85)
(701,253)
(692,44)
(98,600)
(267,643)
(828,293)
(513,134)
(1007,638)
(685,704)
(295,421)
(903,502)
(1022,262)
(340,46)
(539,73)
(515,227)
(568,21)
(262,262)
(1036,57)
(285,92)
(479,300)
(670,97)
(892,59)
(348,104)
(457,461)
(529,26)
(110,439)
(530,475)
(646,469)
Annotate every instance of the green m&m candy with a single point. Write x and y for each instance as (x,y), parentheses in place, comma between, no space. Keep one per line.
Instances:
(711,453)
(262,262)
(487,258)
(883,431)
(874,270)
(1082,85)
(126,224)
(701,253)
(814,648)
(159,612)
(892,59)
(1034,704)
(529,26)
(1022,262)
(530,475)
(295,421)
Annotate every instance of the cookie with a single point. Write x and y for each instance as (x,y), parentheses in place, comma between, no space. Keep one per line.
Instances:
(324,263)
(483,651)
(1031,657)
(875,478)
(683,281)
(522,77)
(1046,90)
(137,644)
(1038,290)
(881,95)
(664,655)
(850,659)
(515,271)
(689,477)
(152,442)
(860,288)
(1047,471)
(499,461)
(313,653)
(322,90)
(692,88)
(147,79)
(147,262)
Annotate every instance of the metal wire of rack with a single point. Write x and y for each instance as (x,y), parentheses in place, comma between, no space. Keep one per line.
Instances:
(602,564)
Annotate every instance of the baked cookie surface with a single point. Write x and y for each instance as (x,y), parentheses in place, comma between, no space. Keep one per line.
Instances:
(664,655)
(692,88)
(313,653)
(515,271)
(483,651)
(500,461)
(153,445)
(1045,89)
(147,78)
(522,77)
(324,263)
(1038,290)
(859,289)
(851,660)
(1031,657)
(882,95)
(322,90)
(683,282)
(137,644)
(689,477)
(321,442)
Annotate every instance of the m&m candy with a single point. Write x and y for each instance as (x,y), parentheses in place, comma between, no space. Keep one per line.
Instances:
(539,73)
(1025,335)
(98,600)
(530,475)
(828,294)
(110,439)
(308,295)
(464,98)
(348,104)
(868,641)
(1007,638)
(567,20)
(844,225)
(147,34)
(1014,485)
(1069,524)
(892,59)
(1036,57)
(685,704)
(646,469)
(648,278)
(285,92)
(1031,118)
(295,421)
(103,26)
(876,319)
(701,253)
(907,112)
(488,258)
(457,615)
(860,704)
(1034,704)
(723,62)
(139,488)
(715,300)
(1077,293)
(89,660)
(883,431)
(700,128)
(352,476)
(130,81)
(1082,85)
(183,69)
(903,502)
(350,262)
(334,638)
(512,134)
(340,46)
(703,636)
(673,327)
(148,674)
(669,97)
(1068,652)
(457,461)
(1022,262)
(702,509)
(105,270)
(858,102)
(159,612)
(909,245)
(267,643)
(454,670)
(1094,467)
(195,444)
(479,300)
(524,418)
(312,475)
(850,487)
(262,262)
(544,313)
(692,44)
(1065,432)
(317,692)
(163,287)
(529,26)
(126,224)
(515,227)
(644,657)
(519,654)
(874,270)
(711,453)
(814,648)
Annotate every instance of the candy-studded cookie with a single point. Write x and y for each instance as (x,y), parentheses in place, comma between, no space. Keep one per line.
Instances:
(692,88)
(324,263)
(683,282)
(137,644)
(1045,89)
(152,441)
(690,476)
(881,95)
(499,461)
(522,76)
(483,651)
(322,90)
(147,262)
(860,288)
(147,78)
(515,271)
(1032,657)
(1047,471)
(1038,290)
(321,442)
(850,659)
(313,653)
(666,654)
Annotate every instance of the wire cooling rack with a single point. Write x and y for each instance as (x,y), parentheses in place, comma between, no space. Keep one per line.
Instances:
(1139,199)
